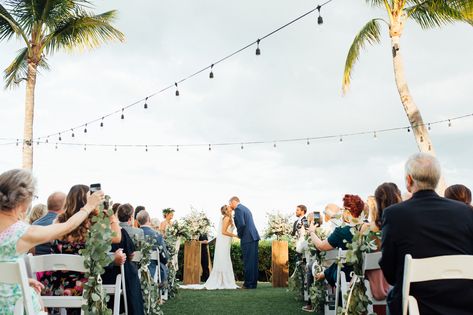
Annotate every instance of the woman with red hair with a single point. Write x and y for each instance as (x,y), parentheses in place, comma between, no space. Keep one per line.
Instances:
(340,237)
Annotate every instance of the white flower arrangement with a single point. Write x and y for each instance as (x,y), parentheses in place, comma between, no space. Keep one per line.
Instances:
(279,225)
(196,223)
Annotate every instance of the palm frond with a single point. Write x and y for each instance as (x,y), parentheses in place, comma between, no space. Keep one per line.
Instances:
(435,13)
(370,33)
(376,3)
(8,25)
(84,31)
(17,70)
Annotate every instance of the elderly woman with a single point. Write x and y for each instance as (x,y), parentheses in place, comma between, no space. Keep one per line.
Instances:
(17,188)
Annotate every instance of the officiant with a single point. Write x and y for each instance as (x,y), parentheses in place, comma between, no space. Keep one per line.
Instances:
(204,256)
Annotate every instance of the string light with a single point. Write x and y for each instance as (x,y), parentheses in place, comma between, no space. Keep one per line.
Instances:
(320,20)
(56,146)
(428,127)
(47,139)
(85,147)
(449,123)
(211,74)
(146,104)
(203,69)
(274,145)
(375,136)
(177,148)
(72,133)
(242,147)
(115,148)
(341,139)
(308,142)
(408,129)
(60,138)
(258,50)
(123,114)
(85,128)
(210,147)
(17,142)
(146,149)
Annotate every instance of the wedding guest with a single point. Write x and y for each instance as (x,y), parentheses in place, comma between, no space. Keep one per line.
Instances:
(37,212)
(426,225)
(385,195)
(125,216)
(71,283)
(168,215)
(459,192)
(138,209)
(155,224)
(332,217)
(301,221)
(145,224)
(17,188)
(55,206)
(338,239)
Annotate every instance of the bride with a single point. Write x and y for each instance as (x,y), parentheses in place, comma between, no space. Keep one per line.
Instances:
(222,276)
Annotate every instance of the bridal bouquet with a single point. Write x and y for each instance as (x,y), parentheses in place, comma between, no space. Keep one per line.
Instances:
(197,223)
(278,225)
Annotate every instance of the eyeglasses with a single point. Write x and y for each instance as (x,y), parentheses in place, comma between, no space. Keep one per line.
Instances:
(35,197)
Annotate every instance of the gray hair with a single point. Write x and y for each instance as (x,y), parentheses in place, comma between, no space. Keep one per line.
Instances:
(142,217)
(424,170)
(16,187)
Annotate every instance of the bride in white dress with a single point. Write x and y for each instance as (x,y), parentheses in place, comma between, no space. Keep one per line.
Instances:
(222,276)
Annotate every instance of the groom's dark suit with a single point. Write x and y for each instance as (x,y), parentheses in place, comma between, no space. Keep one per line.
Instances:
(249,238)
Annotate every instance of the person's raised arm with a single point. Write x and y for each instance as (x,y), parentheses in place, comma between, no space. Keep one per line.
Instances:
(116,229)
(319,244)
(36,234)
(225,225)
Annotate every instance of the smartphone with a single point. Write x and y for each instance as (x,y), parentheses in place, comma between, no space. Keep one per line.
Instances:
(317,218)
(95,187)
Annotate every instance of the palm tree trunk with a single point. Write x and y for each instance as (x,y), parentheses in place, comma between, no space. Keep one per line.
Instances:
(29,115)
(420,131)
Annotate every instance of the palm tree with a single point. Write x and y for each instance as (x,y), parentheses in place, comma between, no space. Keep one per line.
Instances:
(428,14)
(46,26)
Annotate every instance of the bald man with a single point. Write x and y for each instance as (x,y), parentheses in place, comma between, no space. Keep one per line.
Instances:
(55,206)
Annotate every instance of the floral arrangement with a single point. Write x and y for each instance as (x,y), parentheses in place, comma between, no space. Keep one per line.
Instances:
(151,296)
(96,258)
(363,242)
(279,225)
(197,224)
(178,229)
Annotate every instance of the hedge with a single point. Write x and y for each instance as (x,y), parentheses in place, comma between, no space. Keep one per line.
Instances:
(264,263)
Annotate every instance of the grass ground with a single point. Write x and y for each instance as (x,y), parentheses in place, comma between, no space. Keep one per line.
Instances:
(263,300)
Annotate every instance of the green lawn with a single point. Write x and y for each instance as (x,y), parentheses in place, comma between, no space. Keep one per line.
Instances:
(263,300)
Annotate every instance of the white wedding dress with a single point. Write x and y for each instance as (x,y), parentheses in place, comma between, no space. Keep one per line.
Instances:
(221,276)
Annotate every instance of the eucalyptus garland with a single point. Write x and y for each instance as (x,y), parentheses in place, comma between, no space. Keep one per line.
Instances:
(170,242)
(356,297)
(96,258)
(318,290)
(149,288)
(297,279)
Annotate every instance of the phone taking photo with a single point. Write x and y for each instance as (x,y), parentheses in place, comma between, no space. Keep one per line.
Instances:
(95,187)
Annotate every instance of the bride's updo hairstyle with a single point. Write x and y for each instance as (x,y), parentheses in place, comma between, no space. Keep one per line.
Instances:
(223,209)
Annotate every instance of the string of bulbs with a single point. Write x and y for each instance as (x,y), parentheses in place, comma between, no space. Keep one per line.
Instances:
(144,101)
(242,144)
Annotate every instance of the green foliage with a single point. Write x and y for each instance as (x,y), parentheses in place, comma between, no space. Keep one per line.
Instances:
(149,288)
(279,225)
(356,297)
(296,281)
(96,257)
(170,241)
(197,223)
(264,260)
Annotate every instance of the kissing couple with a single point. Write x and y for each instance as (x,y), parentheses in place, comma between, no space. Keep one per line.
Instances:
(222,277)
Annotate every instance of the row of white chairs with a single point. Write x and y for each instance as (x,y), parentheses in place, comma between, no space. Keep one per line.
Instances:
(19,272)
(415,270)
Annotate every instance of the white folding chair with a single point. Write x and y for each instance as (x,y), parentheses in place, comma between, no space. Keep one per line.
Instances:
(371,262)
(341,286)
(433,268)
(118,290)
(57,262)
(155,255)
(15,273)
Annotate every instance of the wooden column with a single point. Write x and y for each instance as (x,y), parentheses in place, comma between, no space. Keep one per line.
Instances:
(192,262)
(280,263)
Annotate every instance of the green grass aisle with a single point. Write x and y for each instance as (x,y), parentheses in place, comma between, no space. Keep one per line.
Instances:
(264,300)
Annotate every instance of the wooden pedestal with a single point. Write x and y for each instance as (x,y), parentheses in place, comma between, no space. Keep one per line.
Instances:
(192,262)
(280,263)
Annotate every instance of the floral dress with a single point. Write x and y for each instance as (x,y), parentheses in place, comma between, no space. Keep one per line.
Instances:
(10,293)
(59,283)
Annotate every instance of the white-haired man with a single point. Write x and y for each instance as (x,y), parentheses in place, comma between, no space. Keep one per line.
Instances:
(427,225)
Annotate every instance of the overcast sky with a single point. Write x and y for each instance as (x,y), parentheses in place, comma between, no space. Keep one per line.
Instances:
(293,90)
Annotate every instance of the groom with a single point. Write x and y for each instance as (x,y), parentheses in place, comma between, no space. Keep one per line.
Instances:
(249,238)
